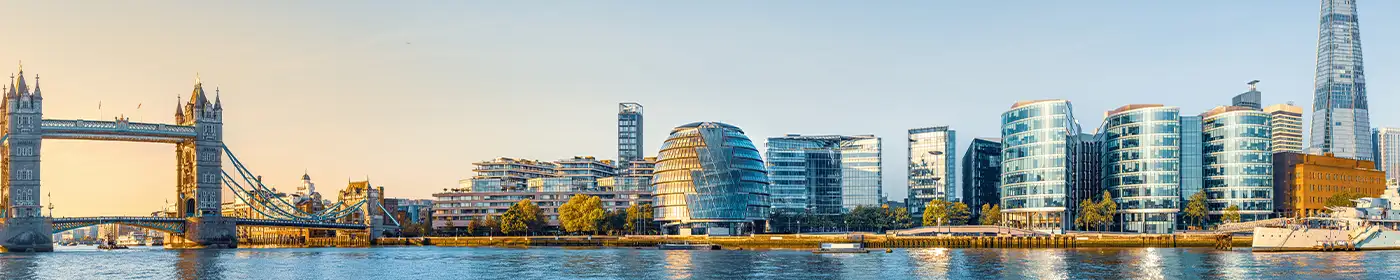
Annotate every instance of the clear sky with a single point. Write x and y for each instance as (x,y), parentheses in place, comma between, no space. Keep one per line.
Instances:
(410,93)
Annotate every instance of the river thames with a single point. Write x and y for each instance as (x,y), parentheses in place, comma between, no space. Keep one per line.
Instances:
(626,263)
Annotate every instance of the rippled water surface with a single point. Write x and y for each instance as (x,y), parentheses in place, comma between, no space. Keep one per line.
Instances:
(623,263)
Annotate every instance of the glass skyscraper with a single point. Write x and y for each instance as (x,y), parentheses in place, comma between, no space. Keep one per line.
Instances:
(629,134)
(981,174)
(1387,150)
(1035,163)
(932,161)
(1143,165)
(1340,112)
(710,179)
(824,174)
(1238,162)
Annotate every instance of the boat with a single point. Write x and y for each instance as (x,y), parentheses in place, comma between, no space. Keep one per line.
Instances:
(135,238)
(155,240)
(1373,224)
(836,248)
(110,245)
(687,246)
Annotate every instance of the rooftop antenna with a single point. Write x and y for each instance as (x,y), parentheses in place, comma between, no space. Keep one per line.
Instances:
(1252,83)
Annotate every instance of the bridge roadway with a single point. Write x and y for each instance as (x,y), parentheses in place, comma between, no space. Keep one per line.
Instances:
(118,130)
(177,225)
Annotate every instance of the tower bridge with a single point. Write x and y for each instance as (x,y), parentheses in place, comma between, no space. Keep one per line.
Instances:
(200,151)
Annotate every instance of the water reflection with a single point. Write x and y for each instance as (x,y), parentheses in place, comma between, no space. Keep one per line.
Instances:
(18,265)
(198,264)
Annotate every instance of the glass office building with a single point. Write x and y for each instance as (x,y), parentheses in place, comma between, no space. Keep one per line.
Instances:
(1387,151)
(1035,163)
(710,179)
(1238,162)
(824,174)
(629,134)
(1143,165)
(932,161)
(1341,119)
(981,175)
(1191,169)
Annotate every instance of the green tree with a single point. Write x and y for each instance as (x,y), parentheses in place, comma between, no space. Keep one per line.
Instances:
(935,212)
(522,218)
(991,214)
(634,218)
(1343,199)
(866,218)
(1232,214)
(1089,214)
(899,218)
(959,214)
(581,213)
(1196,210)
(614,222)
(473,226)
(1107,210)
(450,226)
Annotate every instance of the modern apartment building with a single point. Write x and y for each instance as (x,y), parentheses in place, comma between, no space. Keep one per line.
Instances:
(629,133)
(1387,151)
(454,210)
(824,174)
(507,174)
(1287,122)
(932,161)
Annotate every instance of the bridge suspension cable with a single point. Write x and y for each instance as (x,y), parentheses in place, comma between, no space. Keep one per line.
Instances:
(261,195)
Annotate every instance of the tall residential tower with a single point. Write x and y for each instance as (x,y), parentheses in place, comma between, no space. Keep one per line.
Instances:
(1341,122)
(629,133)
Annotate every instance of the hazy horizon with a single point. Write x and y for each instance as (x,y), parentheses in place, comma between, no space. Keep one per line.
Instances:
(409,94)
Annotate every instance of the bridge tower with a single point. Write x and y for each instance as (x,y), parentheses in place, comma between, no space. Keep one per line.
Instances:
(24,227)
(199,175)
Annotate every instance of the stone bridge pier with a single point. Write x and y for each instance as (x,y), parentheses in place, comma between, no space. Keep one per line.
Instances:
(207,232)
(32,234)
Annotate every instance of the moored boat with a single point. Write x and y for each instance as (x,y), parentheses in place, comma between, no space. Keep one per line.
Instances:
(829,248)
(1372,225)
(687,246)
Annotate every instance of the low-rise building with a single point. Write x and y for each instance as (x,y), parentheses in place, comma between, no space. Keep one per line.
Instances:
(454,210)
(1304,182)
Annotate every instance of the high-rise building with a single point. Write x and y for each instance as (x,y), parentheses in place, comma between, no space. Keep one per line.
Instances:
(629,133)
(1341,118)
(1387,151)
(1249,99)
(981,174)
(1142,151)
(824,174)
(1304,183)
(932,161)
(1086,165)
(1035,178)
(1238,162)
(710,180)
(1287,121)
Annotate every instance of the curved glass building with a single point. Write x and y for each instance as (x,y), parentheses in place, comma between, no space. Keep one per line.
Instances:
(1142,165)
(1238,162)
(1035,166)
(709,179)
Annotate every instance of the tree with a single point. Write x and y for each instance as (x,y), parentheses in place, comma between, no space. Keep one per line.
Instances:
(1088,214)
(522,218)
(991,214)
(935,212)
(614,222)
(491,225)
(899,218)
(959,214)
(1343,199)
(581,213)
(1232,214)
(451,227)
(639,219)
(473,226)
(1107,209)
(866,218)
(1196,210)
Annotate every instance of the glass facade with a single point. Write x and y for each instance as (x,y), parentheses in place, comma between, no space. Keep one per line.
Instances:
(1191,169)
(824,174)
(710,179)
(981,174)
(1341,117)
(1035,163)
(1086,161)
(1142,151)
(1387,151)
(932,161)
(629,133)
(1238,162)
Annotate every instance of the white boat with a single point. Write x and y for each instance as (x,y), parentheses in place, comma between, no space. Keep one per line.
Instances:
(134,239)
(1374,224)
(155,240)
(828,248)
